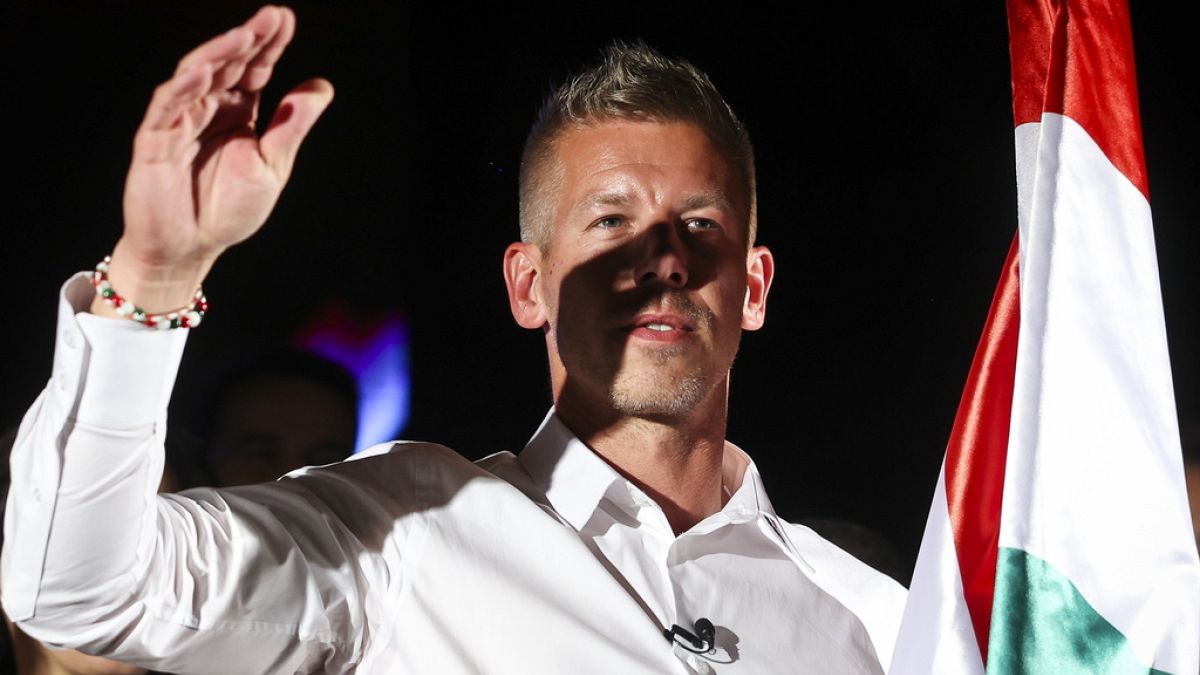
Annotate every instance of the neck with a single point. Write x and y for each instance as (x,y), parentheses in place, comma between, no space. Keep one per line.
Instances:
(675,460)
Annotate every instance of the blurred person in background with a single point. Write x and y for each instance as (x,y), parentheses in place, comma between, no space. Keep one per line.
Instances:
(282,411)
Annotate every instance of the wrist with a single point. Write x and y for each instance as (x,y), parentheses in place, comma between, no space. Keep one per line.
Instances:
(152,287)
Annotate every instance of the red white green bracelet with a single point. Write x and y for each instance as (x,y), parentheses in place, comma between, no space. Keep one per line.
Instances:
(185,317)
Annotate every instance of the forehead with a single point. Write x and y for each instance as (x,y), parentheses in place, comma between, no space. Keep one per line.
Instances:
(656,161)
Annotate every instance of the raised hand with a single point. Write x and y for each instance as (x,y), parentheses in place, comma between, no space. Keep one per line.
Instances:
(201,179)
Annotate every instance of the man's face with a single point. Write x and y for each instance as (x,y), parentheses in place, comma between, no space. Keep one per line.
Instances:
(270,425)
(646,281)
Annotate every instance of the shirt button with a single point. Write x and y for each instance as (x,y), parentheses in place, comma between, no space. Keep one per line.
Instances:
(37,494)
(69,339)
(62,381)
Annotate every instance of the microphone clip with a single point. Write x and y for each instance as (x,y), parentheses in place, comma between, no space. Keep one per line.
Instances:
(700,642)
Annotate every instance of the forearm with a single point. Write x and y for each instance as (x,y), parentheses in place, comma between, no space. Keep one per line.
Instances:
(92,556)
(86,463)
(94,559)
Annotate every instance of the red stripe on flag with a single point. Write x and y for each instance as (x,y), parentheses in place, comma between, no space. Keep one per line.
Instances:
(1075,58)
(978,447)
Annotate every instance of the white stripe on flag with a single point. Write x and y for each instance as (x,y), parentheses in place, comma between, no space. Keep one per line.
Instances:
(936,619)
(1094,480)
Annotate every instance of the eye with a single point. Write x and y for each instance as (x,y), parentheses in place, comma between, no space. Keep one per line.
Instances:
(702,225)
(609,223)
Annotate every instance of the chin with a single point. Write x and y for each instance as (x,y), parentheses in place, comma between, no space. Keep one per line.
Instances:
(679,397)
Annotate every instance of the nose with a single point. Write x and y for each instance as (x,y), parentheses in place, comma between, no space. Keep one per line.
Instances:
(664,258)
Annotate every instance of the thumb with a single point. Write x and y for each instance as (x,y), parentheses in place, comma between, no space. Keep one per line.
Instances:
(295,116)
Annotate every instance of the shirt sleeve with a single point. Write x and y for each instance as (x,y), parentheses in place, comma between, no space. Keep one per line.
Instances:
(265,577)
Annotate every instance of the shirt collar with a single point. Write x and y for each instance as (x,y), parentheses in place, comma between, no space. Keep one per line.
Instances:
(575,479)
(749,498)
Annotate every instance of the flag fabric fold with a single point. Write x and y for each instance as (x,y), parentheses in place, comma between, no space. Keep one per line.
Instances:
(1059,540)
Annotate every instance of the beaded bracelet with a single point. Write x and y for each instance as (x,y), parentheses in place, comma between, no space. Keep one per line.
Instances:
(185,317)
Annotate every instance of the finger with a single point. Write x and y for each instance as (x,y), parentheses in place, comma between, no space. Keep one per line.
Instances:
(213,66)
(228,46)
(258,70)
(296,115)
(173,98)
(264,27)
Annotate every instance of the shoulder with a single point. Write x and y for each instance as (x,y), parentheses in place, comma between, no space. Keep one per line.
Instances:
(842,566)
(410,473)
(875,598)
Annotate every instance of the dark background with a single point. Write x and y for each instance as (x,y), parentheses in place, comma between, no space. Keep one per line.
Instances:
(884,142)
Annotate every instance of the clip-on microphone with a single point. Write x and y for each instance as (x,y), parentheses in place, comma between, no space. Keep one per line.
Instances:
(699,643)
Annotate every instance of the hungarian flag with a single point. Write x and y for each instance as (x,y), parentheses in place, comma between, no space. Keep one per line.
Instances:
(1060,540)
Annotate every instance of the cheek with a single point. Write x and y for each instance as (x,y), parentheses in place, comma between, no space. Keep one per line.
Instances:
(585,289)
(731,288)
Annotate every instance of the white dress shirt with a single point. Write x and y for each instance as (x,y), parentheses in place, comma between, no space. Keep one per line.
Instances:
(408,559)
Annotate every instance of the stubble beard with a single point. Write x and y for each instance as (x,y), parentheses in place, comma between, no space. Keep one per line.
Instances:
(656,389)
(665,382)
(657,393)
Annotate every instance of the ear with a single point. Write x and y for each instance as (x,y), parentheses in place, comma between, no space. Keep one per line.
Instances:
(521,276)
(760,269)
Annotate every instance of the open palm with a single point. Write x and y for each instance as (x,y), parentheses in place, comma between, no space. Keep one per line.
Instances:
(201,179)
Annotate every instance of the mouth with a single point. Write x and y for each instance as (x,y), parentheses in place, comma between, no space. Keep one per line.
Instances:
(661,327)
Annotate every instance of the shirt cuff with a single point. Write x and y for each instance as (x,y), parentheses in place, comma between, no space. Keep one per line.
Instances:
(118,373)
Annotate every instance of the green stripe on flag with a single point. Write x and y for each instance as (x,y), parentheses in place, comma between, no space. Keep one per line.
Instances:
(1042,624)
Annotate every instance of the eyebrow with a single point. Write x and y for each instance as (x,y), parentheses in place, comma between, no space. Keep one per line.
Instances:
(714,199)
(606,199)
(703,200)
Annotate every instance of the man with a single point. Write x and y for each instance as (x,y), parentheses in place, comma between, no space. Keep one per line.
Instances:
(628,536)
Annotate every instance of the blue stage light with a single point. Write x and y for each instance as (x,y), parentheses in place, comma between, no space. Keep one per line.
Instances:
(376,352)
